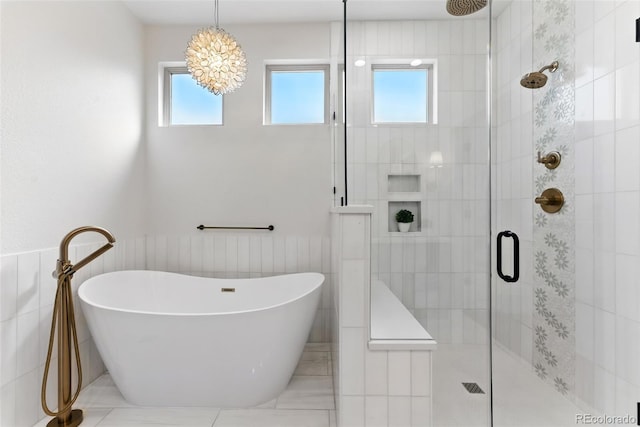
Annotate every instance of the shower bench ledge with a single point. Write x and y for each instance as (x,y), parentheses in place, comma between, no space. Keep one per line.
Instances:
(393,327)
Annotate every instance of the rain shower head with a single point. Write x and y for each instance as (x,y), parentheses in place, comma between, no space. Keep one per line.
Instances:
(537,79)
(464,7)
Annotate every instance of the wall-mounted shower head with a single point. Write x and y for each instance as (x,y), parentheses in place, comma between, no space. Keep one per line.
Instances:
(464,7)
(537,79)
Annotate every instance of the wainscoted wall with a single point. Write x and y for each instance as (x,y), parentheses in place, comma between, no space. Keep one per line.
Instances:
(26,306)
(439,269)
(231,255)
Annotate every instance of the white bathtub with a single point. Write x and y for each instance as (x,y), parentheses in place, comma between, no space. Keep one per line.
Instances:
(174,340)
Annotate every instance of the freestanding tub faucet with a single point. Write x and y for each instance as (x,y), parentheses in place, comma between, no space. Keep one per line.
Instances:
(64,316)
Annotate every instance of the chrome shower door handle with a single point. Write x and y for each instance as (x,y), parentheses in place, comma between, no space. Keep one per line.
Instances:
(516,256)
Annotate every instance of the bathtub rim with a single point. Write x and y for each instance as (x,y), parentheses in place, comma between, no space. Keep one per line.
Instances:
(315,288)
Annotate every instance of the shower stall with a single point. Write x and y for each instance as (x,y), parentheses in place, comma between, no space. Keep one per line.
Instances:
(521,257)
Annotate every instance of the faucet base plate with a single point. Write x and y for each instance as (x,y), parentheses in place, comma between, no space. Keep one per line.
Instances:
(74,420)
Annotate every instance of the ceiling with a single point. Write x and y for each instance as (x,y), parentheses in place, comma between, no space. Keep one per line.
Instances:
(200,12)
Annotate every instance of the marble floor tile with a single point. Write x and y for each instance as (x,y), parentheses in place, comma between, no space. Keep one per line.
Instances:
(90,417)
(102,393)
(313,363)
(307,392)
(318,346)
(272,418)
(179,417)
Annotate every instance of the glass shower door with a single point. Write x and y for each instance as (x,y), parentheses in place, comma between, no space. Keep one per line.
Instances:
(565,335)
(418,141)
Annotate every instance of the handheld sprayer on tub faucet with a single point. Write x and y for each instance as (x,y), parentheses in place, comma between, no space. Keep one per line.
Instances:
(64,316)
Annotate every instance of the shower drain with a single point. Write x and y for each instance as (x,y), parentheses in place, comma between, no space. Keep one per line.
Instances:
(473,388)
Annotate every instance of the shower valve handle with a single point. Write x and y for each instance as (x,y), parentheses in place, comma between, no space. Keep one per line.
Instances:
(551,160)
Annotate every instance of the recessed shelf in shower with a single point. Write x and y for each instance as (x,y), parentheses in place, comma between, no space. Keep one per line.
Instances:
(403,183)
(416,209)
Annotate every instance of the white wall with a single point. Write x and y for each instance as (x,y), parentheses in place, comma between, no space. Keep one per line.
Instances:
(72,155)
(72,110)
(242,173)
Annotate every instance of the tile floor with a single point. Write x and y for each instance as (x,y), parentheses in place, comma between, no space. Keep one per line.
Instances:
(307,402)
(521,399)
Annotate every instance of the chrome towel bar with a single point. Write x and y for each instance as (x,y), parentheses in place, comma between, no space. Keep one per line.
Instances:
(202,227)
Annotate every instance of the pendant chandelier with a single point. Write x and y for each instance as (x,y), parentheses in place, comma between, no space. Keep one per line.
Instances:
(216,60)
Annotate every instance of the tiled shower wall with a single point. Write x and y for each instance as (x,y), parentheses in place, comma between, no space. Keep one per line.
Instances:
(230,255)
(26,306)
(439,272)
(605,171)
(607,187)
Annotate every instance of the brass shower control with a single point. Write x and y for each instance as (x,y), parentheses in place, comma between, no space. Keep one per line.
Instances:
(551,200)
(551,160)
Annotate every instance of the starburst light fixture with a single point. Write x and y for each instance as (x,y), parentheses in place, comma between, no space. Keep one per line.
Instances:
(216,60)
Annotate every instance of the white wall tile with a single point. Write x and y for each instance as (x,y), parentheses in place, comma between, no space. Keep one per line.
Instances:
(195,254)
(8,404)
(267,254)
(420,373)
(279,254)
(352,295)
(28,298)
(376,373)
(604,44)
(421,412)
(376,411)
(9,341)
(626,50)
(627,224)
(399,411)
(352,347)
(9,281)
(27,342)
(604,104)
(351,411)
(627,97)
(627,349)
(399,379)
(231,254)
(27,391)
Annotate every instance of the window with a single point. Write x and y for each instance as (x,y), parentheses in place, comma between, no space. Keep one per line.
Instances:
(401,94)
(187,103)
(297,94)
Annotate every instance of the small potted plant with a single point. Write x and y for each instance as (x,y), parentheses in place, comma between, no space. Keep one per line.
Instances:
(404,218)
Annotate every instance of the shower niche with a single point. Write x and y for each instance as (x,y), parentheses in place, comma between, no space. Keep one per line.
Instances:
(404,193)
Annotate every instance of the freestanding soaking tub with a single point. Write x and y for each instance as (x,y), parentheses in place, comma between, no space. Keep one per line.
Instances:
(174,340)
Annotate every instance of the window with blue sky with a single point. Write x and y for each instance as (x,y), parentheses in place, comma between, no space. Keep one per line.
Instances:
(296,95)
(192,104)
(400,95)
